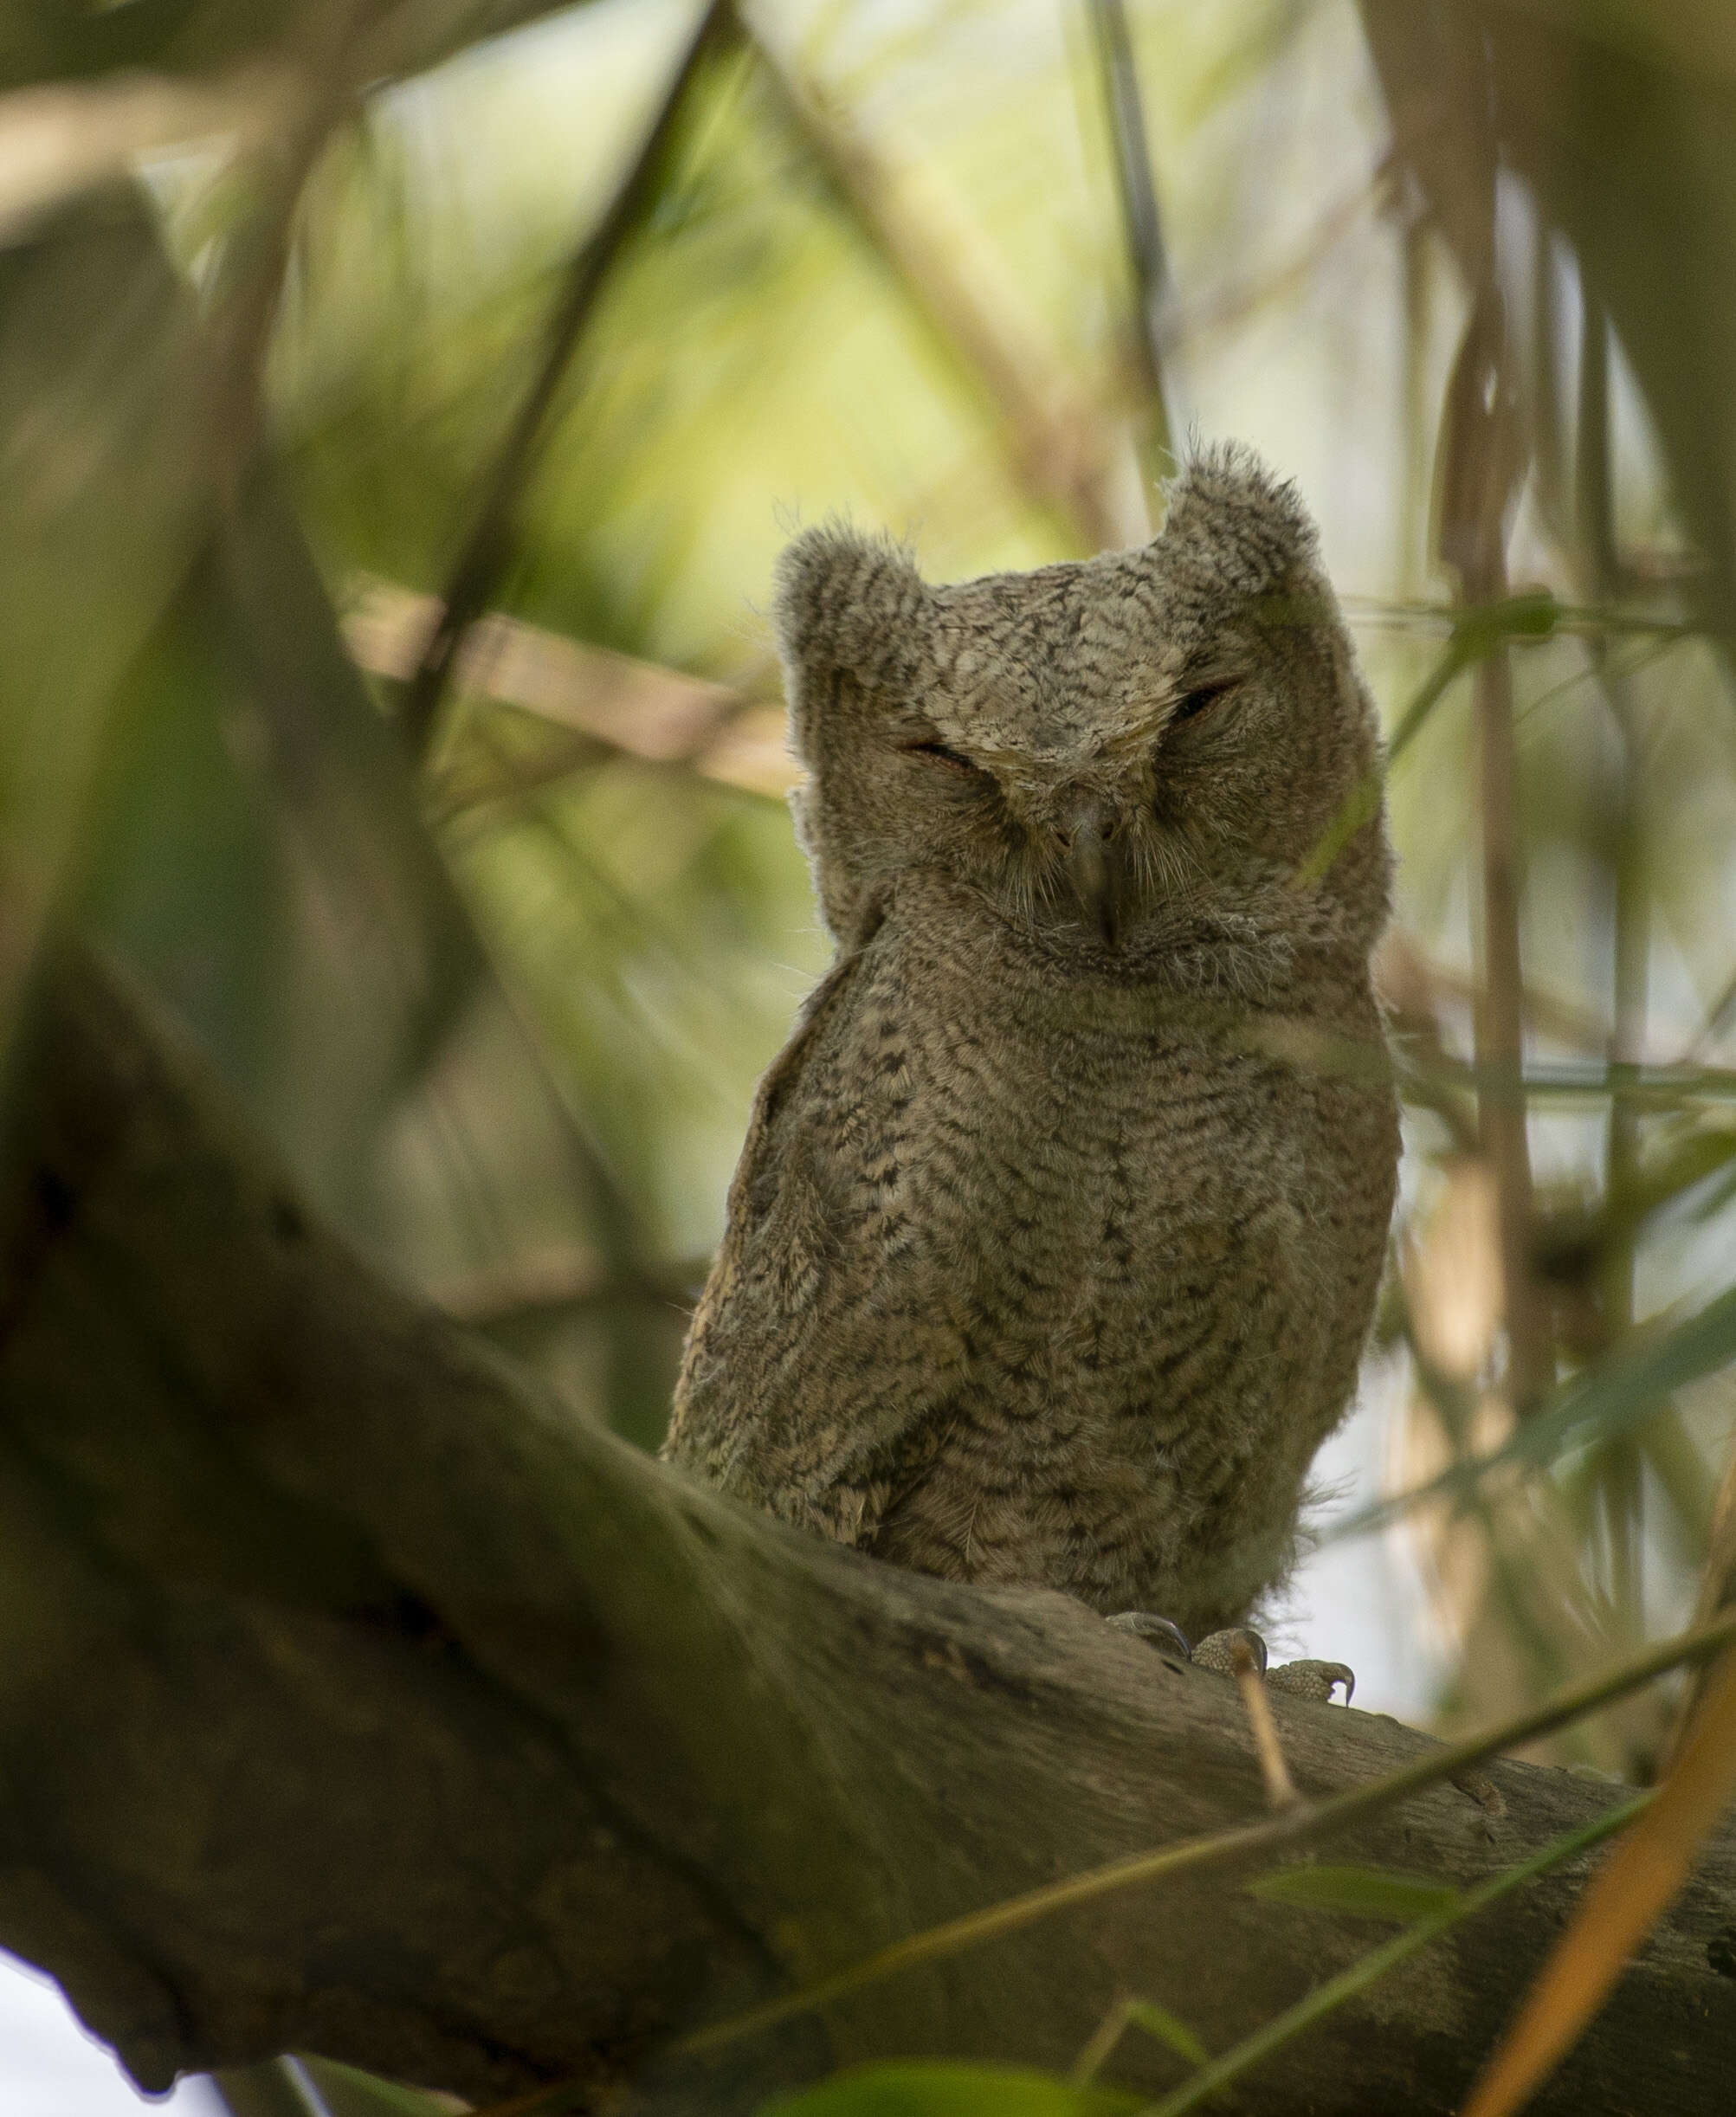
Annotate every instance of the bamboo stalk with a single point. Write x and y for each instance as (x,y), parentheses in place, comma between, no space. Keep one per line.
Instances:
(1484,455)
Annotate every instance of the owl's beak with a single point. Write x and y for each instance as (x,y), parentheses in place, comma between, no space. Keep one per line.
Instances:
(1092,867)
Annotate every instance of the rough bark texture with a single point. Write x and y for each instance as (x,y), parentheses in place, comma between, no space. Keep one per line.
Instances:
(354,1696)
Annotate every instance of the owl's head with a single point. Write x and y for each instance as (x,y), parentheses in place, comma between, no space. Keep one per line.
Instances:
(1096,747)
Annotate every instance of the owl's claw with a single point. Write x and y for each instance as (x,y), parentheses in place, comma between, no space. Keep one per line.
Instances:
(1157,1632)
(1217,1649)
(1314,1680)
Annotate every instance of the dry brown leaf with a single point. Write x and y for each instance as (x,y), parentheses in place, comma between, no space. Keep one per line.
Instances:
(1619,1909)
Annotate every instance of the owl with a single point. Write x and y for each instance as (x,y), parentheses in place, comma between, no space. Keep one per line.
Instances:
(1056,1233)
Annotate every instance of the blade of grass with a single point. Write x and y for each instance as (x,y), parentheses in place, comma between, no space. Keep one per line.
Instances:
(1620,1907)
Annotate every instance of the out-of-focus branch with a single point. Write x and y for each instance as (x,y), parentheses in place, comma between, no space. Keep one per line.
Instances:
(1621,1481)
(488,548)
(1717,1020)
(1483,453)
(1717,1582)
(1231,303)
(1141,225)
(59,139)
(566,1283)
(1065,453)
(320,61)
(1407,977)
(662,715)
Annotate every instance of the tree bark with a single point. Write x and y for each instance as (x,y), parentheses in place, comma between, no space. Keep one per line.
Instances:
(357,1697)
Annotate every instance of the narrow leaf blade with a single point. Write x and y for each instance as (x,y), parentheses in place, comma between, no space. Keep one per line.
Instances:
(1361,1892)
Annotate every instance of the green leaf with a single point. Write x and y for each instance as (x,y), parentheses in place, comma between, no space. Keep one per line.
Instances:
(1364,1892)
(918,2088)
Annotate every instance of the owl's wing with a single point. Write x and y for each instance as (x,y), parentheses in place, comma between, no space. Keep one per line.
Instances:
(828,1336)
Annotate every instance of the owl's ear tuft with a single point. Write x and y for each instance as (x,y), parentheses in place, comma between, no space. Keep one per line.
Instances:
(850,605)
(1248,529)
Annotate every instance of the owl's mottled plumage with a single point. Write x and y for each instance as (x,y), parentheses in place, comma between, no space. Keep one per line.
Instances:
(1055,1236)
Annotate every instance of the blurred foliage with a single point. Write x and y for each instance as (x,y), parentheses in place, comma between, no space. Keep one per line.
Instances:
(276,283)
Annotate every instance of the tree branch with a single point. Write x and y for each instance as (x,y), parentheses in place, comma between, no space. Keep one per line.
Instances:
(356,1697)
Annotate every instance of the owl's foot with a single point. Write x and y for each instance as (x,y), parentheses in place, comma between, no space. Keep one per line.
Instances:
(1316,1680)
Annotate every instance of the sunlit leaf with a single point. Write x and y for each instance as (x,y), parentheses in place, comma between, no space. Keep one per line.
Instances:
(1362,1892)
(935,2089)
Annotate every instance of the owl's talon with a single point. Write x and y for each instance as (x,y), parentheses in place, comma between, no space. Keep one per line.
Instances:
(1157,1632)
(1217,1649)
(1315,1680)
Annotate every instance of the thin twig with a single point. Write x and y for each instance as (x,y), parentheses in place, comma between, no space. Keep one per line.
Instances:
(1062,450)
(564,1285)
(1543,615)
(273,2088)
(1281,1788)
(1141,227)
(605,701)
(489,547)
